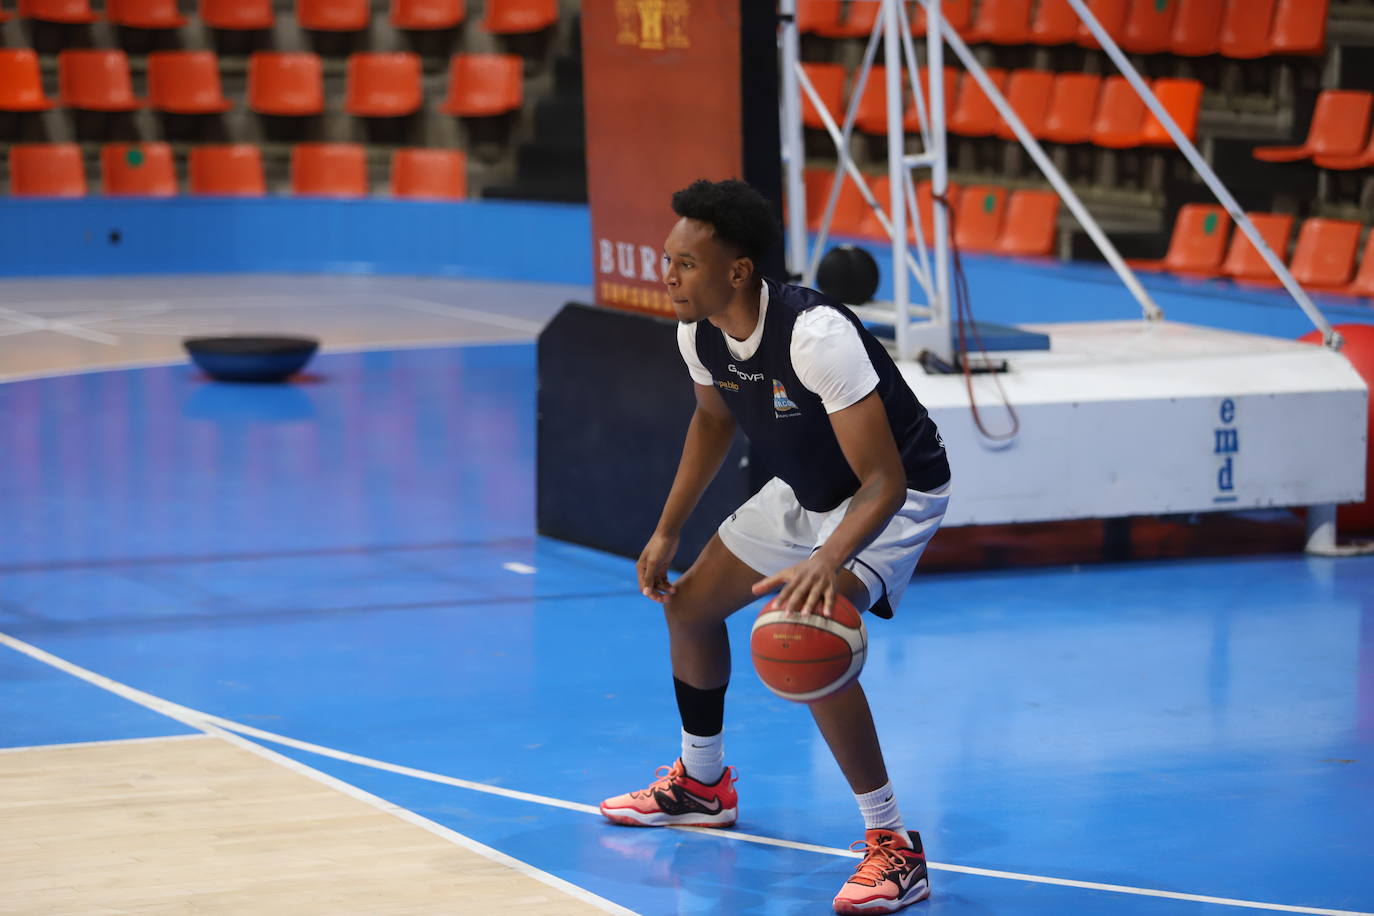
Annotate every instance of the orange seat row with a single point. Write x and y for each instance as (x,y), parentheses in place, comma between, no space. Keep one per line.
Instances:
(279,83)
(1059,107)
(148,169)
(502,17)
(1339,136)
(983,218)
(1233,28)
(1323,259)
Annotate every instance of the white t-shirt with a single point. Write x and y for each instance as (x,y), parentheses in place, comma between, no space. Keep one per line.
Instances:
(827,354)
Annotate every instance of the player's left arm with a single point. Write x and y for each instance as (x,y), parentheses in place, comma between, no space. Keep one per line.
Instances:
(865,437)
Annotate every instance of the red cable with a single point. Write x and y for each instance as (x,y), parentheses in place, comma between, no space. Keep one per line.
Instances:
(964,314)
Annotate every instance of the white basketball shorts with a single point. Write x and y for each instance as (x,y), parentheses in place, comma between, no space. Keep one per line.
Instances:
(772,531)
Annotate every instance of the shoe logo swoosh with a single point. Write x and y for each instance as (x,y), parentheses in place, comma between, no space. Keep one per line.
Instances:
(711,807)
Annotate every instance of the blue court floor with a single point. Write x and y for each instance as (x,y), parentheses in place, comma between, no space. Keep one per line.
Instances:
(351,563)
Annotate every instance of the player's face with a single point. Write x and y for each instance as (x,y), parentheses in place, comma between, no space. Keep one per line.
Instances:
(701,273)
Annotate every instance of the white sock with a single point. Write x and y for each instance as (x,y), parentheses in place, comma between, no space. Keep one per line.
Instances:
(879,809)
(703,758)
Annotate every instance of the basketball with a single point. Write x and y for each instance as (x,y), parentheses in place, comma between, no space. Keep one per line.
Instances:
(807,657)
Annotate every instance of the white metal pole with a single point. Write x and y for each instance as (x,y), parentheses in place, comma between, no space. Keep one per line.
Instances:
(1329,336)
(793,153)
(939,172)
(896,173)
(1085,219)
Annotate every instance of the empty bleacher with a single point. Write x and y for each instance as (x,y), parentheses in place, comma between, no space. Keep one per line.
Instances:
(1275,93)
(233,88)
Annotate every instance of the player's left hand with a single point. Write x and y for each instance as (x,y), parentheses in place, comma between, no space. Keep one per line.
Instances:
(808,587)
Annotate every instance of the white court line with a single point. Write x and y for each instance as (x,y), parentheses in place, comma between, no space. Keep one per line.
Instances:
(112,742)
(523,569)
(457,311)
(213,724)
(206,724)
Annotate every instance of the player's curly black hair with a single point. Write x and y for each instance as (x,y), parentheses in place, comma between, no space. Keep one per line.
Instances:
(740,216)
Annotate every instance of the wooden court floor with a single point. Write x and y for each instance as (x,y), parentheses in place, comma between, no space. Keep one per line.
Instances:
(196,824)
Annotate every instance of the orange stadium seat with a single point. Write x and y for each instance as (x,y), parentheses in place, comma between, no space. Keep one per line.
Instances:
(230,170)
(813,15)
(481,85)
(237,15)
(1245,29)
(910,120)
(1002,22)
(383,85)
(1340,124)
(1363,284)
(1361,160)
(1073,103)
(139,169)
(427,14)
(1182,99)
(1149,26)
(1120,115)
(1324,257)
(510,17)
(1198,242)
(828,81)
(21,85)
(285,83)
(1029,95)
(185,82)
(1243,261)
(981,213)
(145,14)
(4,16)
(871,116)
(1031,224)
(958,14)
(816,183)
(329,170)
(1197,27)
(429,174)
(47,170)
(333,15)
(1299,27)
(1054,23)
(95,80)
(925,209)
(973,114)
(1110,14)
(70,11)
(850,209)
(869,226)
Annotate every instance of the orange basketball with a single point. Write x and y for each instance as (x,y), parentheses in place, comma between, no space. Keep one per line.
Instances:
(807,657)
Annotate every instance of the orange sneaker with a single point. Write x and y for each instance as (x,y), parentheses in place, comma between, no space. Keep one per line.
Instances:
(892,874)
(676,798)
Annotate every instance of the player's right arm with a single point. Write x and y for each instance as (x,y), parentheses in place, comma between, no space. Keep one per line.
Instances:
(708,439)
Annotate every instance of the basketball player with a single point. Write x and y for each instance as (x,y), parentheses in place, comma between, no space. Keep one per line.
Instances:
(861,484)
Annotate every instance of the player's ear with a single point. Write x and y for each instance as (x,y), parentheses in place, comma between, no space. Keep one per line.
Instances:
(742,270)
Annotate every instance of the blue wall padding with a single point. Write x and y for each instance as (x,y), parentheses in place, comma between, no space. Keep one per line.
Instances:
(491,239)
(508,240)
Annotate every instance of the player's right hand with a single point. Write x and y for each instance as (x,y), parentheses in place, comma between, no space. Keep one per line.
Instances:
(653,565)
